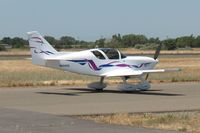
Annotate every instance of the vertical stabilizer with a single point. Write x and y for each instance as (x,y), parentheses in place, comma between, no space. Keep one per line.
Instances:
(40,48)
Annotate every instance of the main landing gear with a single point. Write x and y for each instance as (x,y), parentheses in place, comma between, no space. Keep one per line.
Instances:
(98,86)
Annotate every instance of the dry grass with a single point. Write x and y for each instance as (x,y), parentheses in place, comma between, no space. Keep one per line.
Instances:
(190,68)
(26,52)
(23,73)
(179,121)
(137,51)
(15,52)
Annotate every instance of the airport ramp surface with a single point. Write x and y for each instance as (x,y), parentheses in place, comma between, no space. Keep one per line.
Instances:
(82,101)
(18,121)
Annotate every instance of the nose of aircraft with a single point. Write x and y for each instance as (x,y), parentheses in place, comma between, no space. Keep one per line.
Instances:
(156,60)
(153,61)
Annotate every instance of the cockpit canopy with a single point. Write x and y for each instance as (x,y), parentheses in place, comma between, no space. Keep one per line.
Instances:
(109,52)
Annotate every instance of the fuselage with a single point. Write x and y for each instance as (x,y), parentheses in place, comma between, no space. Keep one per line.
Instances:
(98,61)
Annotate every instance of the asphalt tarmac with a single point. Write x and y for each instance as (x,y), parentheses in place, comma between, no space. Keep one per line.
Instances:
(82,101)
(46,109)
(18,121)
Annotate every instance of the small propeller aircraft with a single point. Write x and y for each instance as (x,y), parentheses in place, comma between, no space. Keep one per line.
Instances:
(101,62)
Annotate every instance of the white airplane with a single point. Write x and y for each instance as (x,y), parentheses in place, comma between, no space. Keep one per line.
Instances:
(101,62)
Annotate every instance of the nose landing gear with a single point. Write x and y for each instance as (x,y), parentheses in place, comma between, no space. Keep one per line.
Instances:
(142,86)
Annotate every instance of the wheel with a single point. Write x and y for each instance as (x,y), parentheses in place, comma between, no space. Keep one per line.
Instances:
(127,87)
(143,86)
(97,86)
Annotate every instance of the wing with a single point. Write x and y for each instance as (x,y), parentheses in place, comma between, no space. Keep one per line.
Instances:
(131,72)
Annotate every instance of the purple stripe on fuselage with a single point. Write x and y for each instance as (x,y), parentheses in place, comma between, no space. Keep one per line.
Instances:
(123,65)
(93,65)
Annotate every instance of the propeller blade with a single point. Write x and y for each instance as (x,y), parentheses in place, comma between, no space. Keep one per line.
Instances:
(157,52)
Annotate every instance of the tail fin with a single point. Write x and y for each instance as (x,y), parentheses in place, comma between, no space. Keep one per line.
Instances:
(40,48)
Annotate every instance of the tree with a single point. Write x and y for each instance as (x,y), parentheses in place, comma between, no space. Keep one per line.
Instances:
(100,43)
(67,42)
(51,40)
(18,42)
(185,41)
(115,42)
(169,44)
(154,40)
(2,48)
(117,37)
(196,42)
(6,40)
(131,40)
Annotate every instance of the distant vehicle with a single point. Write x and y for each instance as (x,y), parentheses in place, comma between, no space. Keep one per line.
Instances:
(101,62)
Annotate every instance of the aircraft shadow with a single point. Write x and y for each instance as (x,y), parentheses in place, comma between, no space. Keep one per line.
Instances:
(79,91)
(58,93)
(137,92)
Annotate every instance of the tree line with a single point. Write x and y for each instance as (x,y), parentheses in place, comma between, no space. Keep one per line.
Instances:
(116,41)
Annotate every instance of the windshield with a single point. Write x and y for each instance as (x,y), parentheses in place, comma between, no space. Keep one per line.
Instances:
(122,56)
(111,53)
(98,54)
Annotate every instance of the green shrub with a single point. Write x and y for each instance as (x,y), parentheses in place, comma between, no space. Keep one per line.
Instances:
(147,46)
(2,48)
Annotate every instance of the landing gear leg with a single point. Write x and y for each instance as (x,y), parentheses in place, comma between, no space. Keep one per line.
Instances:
(98,86)
(102,79)
(124,80)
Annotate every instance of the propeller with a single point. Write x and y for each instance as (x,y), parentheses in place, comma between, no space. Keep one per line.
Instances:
(157,53)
